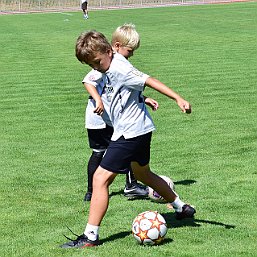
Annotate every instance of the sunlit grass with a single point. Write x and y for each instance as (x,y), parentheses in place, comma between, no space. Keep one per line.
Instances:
(206,53)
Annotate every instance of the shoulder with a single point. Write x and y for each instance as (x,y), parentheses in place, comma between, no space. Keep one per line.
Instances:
(120,64)
(120,58)
(93,77)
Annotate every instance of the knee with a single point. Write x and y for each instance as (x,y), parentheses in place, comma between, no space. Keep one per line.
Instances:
(103,177)
(98,154)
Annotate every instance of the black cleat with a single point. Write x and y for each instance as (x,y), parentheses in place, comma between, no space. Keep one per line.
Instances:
(187,212)
(87,197)
(81,241)
(136,191)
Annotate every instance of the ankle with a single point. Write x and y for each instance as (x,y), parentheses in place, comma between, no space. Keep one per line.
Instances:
(91,232)
(178,204)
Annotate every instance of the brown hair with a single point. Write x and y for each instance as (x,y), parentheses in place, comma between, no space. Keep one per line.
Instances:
(90,43)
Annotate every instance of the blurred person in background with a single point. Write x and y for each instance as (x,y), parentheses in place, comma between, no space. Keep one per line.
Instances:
(84,8)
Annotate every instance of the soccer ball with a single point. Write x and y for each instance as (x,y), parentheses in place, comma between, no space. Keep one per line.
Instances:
(149,228)
(153,195)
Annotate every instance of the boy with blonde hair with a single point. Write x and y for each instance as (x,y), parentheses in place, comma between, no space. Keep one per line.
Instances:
(125,36)
(133,126)
(125,40)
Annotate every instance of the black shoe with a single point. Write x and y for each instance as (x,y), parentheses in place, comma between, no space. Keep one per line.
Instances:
(136,191)
(81,241)
(187,212)
(87,197)
(140,186)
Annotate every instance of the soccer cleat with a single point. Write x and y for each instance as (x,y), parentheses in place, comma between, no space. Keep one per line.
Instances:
(85,16)
(187,212)
(81,241)
(136,191)
(87,197)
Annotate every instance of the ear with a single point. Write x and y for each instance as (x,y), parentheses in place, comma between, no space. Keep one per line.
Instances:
(110,52)
(117,45)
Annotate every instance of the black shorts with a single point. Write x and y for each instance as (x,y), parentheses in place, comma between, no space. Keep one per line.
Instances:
(122,152)
(84,6)
(100,139)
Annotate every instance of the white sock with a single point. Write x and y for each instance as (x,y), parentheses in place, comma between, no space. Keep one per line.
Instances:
(177,204)
(91,232)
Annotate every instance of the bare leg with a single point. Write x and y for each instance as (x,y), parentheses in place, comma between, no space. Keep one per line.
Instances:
(145,175)
(100,197)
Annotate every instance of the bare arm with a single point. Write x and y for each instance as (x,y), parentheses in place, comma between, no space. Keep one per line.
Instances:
(93,92)
(152,103)
(163,89)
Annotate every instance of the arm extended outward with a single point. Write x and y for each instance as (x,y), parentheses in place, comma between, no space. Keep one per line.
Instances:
(163,89)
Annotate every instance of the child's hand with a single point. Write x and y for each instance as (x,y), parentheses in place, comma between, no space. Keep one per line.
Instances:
(184,106)
(99,109)
(152,103)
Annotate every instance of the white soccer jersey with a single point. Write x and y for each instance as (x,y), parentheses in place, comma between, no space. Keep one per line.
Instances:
(123,96)
(92,120)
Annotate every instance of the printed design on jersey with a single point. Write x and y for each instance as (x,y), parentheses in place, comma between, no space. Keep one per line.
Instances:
(109,92)
(92,77)
(108,89)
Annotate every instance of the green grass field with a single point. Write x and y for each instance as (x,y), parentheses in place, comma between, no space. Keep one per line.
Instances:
(207,53)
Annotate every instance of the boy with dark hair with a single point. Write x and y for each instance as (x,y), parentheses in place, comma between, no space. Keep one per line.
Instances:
(133,126)
(125,40)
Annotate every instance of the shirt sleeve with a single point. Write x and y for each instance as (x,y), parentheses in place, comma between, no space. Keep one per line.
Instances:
(135,79)
(93,78)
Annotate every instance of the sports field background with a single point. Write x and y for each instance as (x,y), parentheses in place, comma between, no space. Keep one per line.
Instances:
(207,53)
(7,6)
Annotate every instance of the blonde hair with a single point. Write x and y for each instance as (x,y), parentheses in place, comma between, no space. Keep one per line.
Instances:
(127,36)
(89,44)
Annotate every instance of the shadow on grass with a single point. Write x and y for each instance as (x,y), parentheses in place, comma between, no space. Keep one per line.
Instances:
(116,236)
(185,182)
(120,192)
(125,234)
(227,226)
(173,223)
